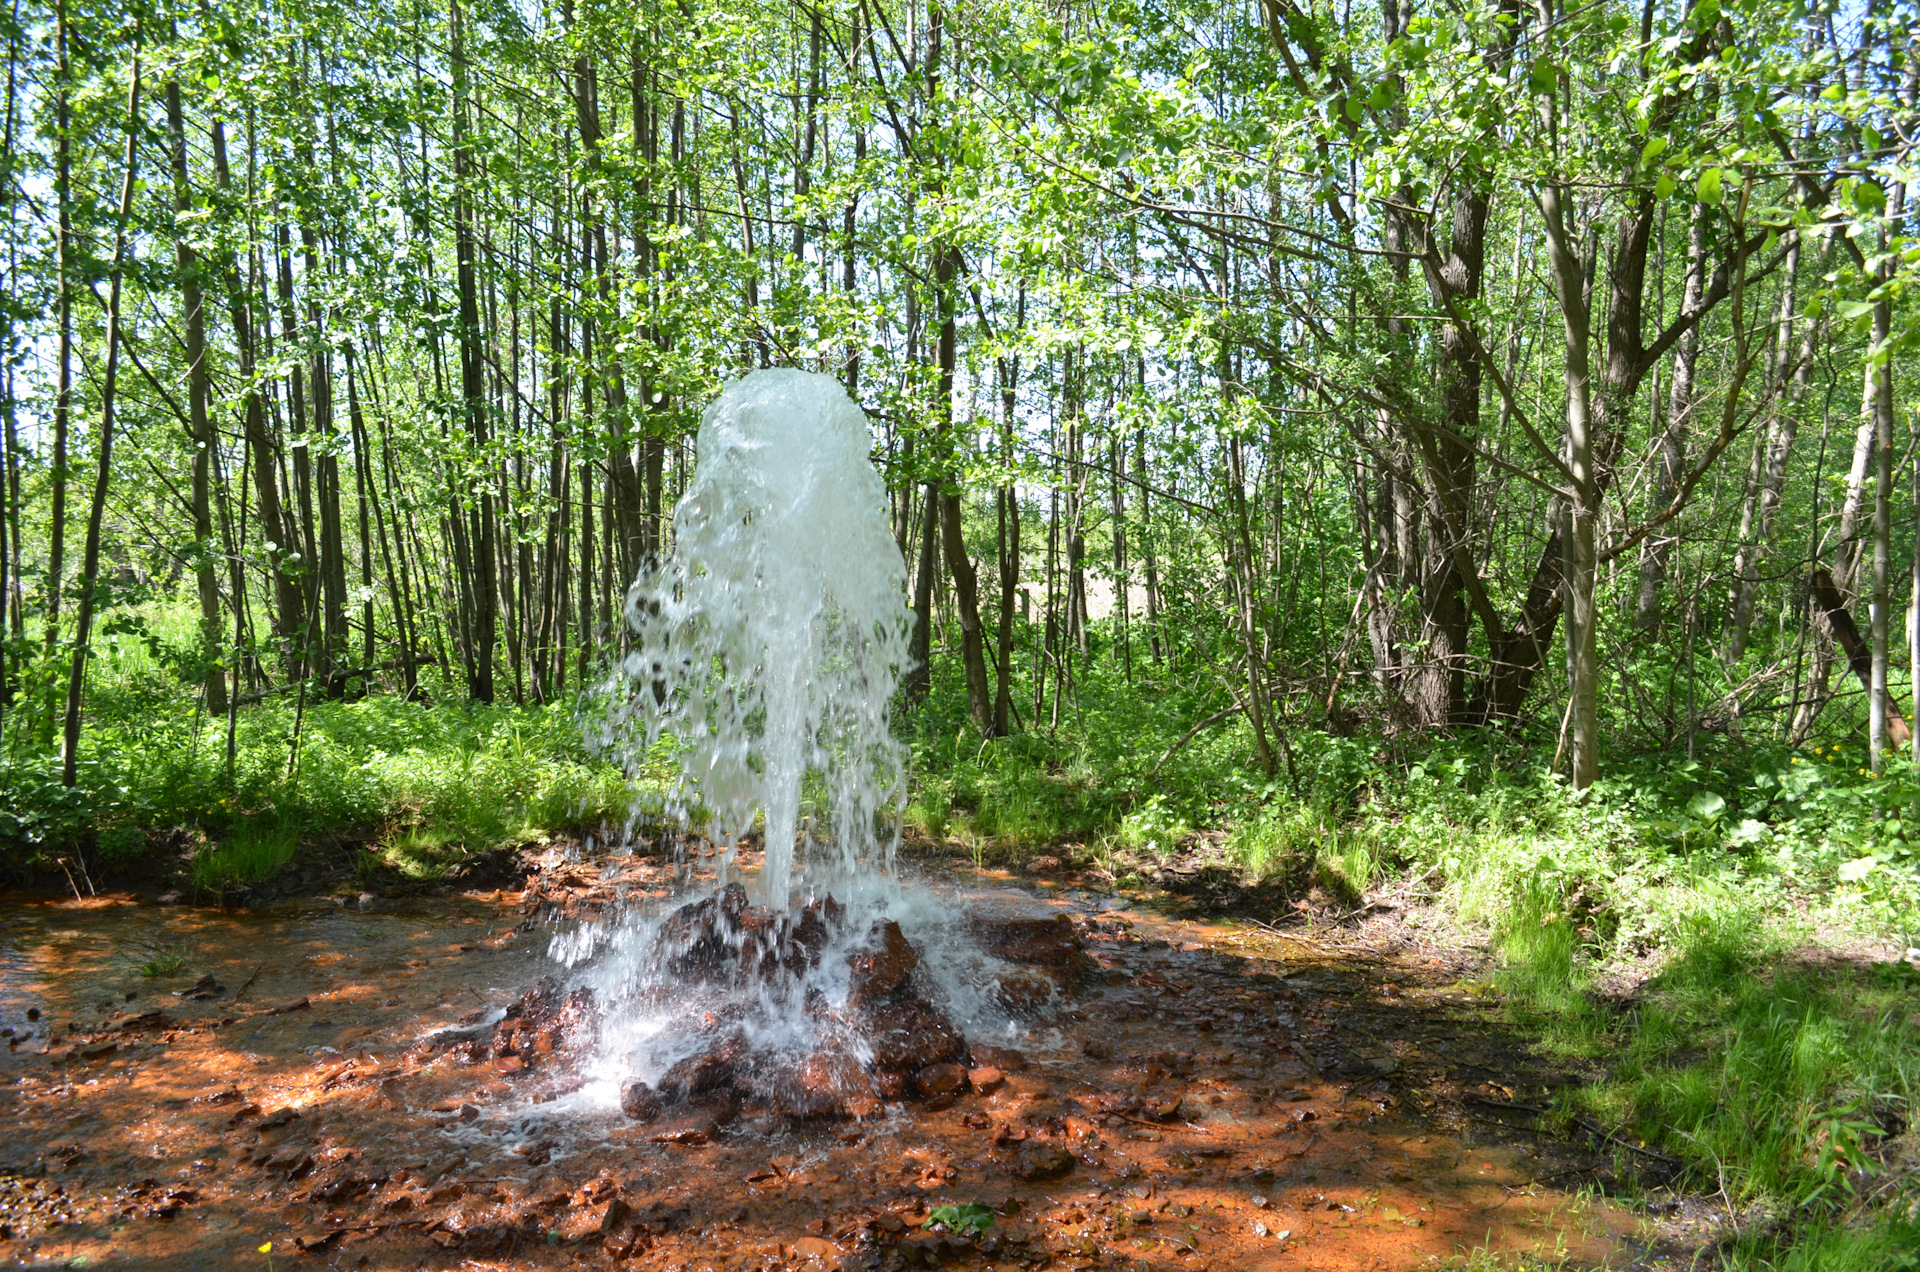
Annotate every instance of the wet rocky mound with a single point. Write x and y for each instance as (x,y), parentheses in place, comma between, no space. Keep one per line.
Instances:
(876,1030)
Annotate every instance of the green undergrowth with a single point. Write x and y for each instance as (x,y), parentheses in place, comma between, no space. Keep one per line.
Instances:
(1886,1245)
(424,786)
(1778,1077)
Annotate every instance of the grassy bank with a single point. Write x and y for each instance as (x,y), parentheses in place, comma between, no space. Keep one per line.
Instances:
(416,790)
(1708,934)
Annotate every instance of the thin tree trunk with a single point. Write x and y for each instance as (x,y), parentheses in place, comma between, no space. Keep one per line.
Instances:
(1757,522)
(1877,701)
(103,456)
(63,397)
(473,386)
(289,601)
(187,262)
(1670,464)
(1580,565)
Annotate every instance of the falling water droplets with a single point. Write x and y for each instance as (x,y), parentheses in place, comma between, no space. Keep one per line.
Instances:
(768,644)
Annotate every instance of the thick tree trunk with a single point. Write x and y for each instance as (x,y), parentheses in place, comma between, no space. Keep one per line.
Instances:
(920,643)
(966,595)
(1436,688)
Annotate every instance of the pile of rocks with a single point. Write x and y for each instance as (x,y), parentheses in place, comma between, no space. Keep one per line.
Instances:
(888,1040)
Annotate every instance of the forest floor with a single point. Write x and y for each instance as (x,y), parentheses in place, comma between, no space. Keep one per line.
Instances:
(202,1087)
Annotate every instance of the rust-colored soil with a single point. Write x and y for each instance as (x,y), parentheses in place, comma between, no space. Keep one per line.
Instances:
(1220,1098)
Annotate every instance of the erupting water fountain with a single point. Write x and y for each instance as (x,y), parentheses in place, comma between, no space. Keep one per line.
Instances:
(765,655)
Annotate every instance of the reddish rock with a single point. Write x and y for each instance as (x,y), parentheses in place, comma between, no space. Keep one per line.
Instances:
(615,1217)
(1022,991)
(692,1124)
(544,1021)
(1005,1059)
(826,1084)
(638,1101)
(890,1084)
(985,1080)
(1046,940)
(812,1253)
(701,1072)
(882,966)
(1037,1159)
(911,1034)
(940,1079)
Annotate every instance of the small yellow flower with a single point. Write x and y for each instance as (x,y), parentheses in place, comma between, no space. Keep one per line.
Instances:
(265,1248)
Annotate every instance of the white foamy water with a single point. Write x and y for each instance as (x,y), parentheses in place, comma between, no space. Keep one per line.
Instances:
(767,648)
(653,1014)
(769,643)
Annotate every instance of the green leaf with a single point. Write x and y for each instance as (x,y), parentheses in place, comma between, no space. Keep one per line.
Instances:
(1708,191)
(1856,870)
(1706,805)
(1543,76)
(970,1219)
(1653,149)
(1663,187)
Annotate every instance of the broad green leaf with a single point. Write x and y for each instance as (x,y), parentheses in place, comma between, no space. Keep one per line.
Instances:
(1707,805)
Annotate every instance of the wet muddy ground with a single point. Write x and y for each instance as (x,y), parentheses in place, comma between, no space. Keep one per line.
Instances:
(182,1086)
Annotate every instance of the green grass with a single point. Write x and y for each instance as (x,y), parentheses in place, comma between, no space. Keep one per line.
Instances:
(1888,1245)
(254,851)
(471,778)
(157,961)
(1777,1078)
(1782,1079)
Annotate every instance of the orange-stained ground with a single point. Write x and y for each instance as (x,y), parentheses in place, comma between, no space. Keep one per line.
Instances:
(303,1103)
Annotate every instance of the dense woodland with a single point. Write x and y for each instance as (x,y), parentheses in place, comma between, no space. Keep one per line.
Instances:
(1404,369)
(1472,444)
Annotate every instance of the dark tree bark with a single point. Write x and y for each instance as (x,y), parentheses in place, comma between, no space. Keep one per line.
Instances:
(473,388)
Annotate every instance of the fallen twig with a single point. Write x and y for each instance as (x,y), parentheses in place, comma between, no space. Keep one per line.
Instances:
(248,983)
